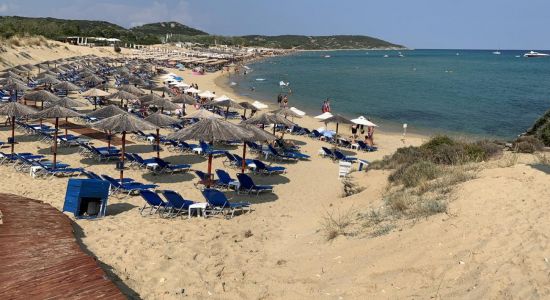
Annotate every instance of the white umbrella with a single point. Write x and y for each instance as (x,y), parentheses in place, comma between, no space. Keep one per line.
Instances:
(222,98)
(324,116)
(192,90)
(259,105)
(182,84)
(207,94)
(363,121)
(297,111)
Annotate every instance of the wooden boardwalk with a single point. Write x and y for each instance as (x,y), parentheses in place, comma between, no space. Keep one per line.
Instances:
(41,259)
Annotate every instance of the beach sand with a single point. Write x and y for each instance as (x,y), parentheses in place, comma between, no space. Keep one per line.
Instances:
(492,244)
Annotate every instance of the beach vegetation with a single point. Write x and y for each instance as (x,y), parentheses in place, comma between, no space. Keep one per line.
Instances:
(528,144)
(350,187)
(337,223)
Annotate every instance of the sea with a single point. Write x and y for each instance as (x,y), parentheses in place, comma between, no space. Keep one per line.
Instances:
(459,92)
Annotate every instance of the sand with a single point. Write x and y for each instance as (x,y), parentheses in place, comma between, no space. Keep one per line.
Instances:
(492,244)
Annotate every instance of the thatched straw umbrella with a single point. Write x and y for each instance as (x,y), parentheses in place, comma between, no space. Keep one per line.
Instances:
(42,96)
(93,79)
(49,79)
(14,110)
(66,86)
(67,103)
(131,89)
(56,112)
(247,105)
(202,114)
(266,118)
(106,112)
(259,135)
(93,92)
(160,120)
(16,86)
(164,90)
(163,103)
(338,119)
(123,123)
(122,95)
(185,99)
(211,130)
(285,111)
(228,103)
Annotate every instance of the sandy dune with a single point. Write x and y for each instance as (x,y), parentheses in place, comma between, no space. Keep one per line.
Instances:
(493,243)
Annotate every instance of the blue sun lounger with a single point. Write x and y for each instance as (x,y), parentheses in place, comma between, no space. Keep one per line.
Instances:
(176,204)
(128,187)
(262,168)
(248,186)
(225,180)
(218,203)
(166,167)
(153,203)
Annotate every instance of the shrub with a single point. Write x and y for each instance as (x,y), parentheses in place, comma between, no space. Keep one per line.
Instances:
(350,188)
(413,175)
(335,224)
(117,49)
(437,142)
(543,134)
(528,144)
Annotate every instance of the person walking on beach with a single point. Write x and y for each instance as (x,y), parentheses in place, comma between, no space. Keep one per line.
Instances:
(285,102)
(279,99)
(328,105)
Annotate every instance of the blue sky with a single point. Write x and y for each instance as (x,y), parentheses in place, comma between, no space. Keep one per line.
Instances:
(472,24)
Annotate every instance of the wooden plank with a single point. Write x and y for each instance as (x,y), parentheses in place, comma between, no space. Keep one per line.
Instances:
(41,259)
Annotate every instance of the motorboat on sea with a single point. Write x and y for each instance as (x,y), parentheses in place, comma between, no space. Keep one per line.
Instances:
(327,56)
(386,55)
(535,54)
(496,52)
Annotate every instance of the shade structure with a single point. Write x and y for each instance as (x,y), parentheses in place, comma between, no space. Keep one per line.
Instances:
(202,114)
(14,110)
(248,105)
(163,104)
(259,105)
(297,111)
(192,90)
(56,112)
(227,103)
(10,74)
(42,96)
(164,90)
(149,97)
(258,135)
(184,99)
(93,79)
(323,116)
(93,92)
(16,86)
(66,86)
(160,120)
(338,119)
(124,122)
(221,98)
(363,121)
(67,103)
(106,112)
(285,111)
(8,80)
(267,118)
(131,89)
(48,79)
(212,130)
(207,94)
(122,95)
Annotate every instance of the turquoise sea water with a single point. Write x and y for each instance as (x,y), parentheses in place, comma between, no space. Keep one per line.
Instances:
(473,93)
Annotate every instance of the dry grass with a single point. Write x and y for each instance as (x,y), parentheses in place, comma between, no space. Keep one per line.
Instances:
(23,41)
(350,187)
(337,223)
(508,160)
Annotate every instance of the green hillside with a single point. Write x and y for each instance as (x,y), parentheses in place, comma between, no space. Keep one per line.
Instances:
(163,28)
(153,33)
(56,29)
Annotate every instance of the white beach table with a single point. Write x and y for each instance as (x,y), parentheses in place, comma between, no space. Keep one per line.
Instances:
(201,207)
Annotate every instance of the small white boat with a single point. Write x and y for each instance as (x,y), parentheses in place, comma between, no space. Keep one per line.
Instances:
(496,52)
(326,56)
(457,54)
(535,54)
(401,54)
(386,55)
(260,79)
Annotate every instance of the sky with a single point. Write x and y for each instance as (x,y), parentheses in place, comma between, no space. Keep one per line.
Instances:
(454,24)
